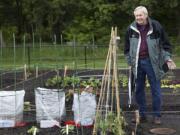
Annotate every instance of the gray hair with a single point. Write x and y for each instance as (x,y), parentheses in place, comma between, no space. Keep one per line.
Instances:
(141,8)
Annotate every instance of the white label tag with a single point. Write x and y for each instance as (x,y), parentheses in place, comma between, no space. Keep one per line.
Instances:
(48,123)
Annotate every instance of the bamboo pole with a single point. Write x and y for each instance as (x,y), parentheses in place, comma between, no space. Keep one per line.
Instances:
(102,91)
(104,76)
(116,77)
(109,82)
(113,80)
(109,75)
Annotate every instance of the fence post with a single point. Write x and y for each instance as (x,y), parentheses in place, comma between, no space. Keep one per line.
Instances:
(33,39)
(93,51)
(29,57)
(14,48)
(85,56)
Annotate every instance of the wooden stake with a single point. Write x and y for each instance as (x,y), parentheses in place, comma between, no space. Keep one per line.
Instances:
(25,72)
(65,71)
(36,71)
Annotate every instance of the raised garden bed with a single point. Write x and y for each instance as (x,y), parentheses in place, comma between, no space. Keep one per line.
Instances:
(171,104)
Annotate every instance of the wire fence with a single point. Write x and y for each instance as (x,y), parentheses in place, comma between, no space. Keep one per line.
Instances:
(87,56)
(45,60)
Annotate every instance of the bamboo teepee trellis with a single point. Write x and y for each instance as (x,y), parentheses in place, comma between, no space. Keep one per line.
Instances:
(109,100)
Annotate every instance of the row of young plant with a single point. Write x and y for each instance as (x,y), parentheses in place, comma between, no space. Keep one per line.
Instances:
(110,126)
(64,130)
(165,83)
(70,82)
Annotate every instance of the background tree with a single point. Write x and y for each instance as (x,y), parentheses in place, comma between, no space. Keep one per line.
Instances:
(84,20)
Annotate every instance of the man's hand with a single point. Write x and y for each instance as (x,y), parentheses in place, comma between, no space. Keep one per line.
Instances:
(171,64)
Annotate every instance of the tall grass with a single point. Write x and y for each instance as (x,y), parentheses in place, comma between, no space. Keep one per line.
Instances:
(49,56)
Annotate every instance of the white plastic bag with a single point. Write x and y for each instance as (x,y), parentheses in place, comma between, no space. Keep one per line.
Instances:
(84,107)
(50,104)
(12,105)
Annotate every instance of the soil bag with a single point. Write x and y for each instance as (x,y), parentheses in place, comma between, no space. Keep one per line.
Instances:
(50,104)
(84,108)
(11,107)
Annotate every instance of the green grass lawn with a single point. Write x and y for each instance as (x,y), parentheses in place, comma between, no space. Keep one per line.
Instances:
(51,56)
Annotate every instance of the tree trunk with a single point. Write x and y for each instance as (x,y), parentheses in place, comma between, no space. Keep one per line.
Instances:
(178,23)
(1,39)
(19,19)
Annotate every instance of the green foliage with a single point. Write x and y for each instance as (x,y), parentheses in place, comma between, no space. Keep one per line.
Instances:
(81,20)
(105,12)
(168,82)
(95,83)
(70,129)
(72,82)
(32,129)
(111,124)
(83,84)
(123,80)
(75,81)
(84,32)
(7,32)
(66,81)
(54,82)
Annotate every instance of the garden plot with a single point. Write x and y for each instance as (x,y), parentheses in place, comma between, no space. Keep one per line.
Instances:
(171,103)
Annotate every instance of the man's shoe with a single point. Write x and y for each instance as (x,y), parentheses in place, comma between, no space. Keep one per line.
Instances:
(141,120)
(157,120)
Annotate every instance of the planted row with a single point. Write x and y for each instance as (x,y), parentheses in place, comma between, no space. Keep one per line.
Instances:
(70,82)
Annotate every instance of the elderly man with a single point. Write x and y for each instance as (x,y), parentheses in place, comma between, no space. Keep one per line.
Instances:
(147,49)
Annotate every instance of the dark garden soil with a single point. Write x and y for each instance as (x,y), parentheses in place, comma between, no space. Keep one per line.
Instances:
(170,108)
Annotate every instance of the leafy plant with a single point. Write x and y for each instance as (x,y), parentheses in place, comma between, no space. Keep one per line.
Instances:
(54,82)
(112,123)
(32,130)
(170,82)
(83,83)
(118,125)
(103,126)
(70,129)
(95,83)
(123,80)
(75,81)
(66,82)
